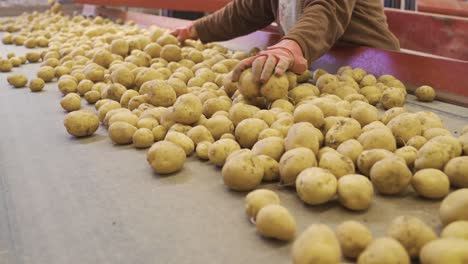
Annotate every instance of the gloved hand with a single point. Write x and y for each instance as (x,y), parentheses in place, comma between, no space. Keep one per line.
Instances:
(277,59)
(187,32)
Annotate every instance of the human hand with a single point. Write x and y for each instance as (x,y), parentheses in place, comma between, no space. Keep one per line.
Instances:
(277,59)
(187,32)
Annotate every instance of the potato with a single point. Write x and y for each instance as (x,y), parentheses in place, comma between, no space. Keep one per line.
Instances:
(275,88)
(412,233)
(182,140)
(392,97)
(323,79)
(248,87)
(202,150)
(316,186)
(343,108)
(220,150)
(121,133)
(17,80)
(171,52)
(302,91)
(159,133)
(435,131)
(355,192)
(275,221)
(136,101)
(294,162)
(268,116)
(271,146)
(309,113)
(229,136)
(364,113)
(378,139)
(269,132)
(432,155)
(351,148)
(36,85)
(457,171)
(445,250)
(219,125)
(123,76)
(106,107)
(270,168)
(336,163)
(120,115)
(356,97)
(317,244)
(341,131)
(242,172)
(160,93)
(408,153)
(158,159)
(392,113)
(84,86)
(5,65)
(32,57)
(327,106)
(147,122)
(404,127)
(119,47)
(92,97)
(384,250)
(452,207)
(214,105)
(143,138)
(256,200)
(81,123)
(464,143)
(431,183)
(247,131)
(199,134)
(144,75)
(240,111)
(302,135)
(390,175)
(416,142)
(71,102)
(113,91)
(187,109)
(283,104)
(102,58)
(429,120)
(354,237)
(425,93)
(67,85)
(457,229)
(283,124)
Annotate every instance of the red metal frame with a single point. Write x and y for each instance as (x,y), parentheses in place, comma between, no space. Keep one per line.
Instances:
(447,76)
(181,5)
(430,33)
(446,7)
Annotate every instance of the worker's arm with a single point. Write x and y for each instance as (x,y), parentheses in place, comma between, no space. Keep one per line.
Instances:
(321,24)
(238,18)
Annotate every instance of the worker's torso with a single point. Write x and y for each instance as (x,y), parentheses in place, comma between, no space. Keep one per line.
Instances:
(367,26)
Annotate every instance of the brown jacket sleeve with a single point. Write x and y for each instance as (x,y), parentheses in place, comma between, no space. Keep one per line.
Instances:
(239,17)
(321,24)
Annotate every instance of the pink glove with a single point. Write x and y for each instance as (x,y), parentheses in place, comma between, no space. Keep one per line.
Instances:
(285,55)
(184,33)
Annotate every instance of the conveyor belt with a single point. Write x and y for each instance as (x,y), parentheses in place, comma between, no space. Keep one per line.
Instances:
(66,200)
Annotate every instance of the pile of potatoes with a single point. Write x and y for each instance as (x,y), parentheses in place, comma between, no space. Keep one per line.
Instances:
(344,136)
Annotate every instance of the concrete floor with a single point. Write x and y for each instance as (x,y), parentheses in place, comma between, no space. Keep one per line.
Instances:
(66,200)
